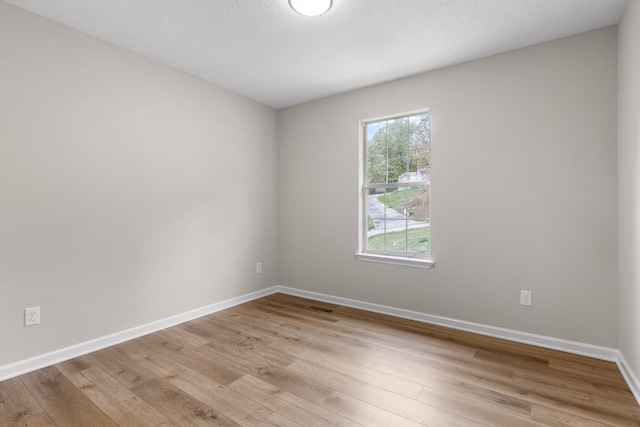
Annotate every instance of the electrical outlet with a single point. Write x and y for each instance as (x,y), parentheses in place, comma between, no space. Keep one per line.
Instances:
(259,267)
(31,316)
(525,298)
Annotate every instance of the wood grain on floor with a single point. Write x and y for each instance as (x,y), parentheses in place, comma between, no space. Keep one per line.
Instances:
(288,361)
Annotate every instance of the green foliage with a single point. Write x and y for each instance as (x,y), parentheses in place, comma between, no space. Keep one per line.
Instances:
(414,199)
(396,199)
(397,147)
(394,148)
(414,240)
(370,224)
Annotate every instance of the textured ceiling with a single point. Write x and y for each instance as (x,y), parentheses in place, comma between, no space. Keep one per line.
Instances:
(264,50)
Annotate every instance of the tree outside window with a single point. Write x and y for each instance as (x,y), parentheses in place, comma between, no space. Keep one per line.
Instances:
(396,185)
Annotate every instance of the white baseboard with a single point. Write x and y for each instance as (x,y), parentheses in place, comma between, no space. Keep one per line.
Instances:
(597,352)
(57,356)
(629,376)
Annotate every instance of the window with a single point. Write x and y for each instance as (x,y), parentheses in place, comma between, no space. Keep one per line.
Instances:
(396,164)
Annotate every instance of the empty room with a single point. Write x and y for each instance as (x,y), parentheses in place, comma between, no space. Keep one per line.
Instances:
(320,213)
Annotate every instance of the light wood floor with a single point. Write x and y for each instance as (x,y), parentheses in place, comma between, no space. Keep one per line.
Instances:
(286,361)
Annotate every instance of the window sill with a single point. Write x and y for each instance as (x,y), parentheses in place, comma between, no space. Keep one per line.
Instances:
(394,260)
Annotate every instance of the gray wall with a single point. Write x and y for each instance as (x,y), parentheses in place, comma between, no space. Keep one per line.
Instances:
(523,191)
(628,182)
(129,191)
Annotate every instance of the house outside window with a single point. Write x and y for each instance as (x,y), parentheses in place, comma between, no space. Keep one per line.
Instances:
(395,220)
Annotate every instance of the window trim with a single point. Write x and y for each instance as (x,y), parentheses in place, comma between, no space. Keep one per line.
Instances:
(396,260)
(362,254)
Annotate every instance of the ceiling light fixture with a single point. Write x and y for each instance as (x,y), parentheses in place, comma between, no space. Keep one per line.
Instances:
(310,7)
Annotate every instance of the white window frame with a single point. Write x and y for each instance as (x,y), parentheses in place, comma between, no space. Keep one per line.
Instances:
(411,260)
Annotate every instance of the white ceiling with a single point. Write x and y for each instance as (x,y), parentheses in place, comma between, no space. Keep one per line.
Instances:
(265,51)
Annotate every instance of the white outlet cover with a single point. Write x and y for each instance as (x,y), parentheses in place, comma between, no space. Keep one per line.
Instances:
(525,298)
(31,316)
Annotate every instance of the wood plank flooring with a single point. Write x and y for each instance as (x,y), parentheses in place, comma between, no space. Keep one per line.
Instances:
(288,361)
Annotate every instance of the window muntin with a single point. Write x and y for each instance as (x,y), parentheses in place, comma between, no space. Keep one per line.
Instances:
(396,186)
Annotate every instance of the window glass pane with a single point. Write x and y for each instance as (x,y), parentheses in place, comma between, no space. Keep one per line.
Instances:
(412,202)
(377,137)
(376,241)
(418,162)
(418,241)
(374,127)
(397,241)
(376,168)
(398,141)
(378,221)
(375,210)
(412,240)
(397,215)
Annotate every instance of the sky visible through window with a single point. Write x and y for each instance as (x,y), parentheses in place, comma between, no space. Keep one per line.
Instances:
(397,181)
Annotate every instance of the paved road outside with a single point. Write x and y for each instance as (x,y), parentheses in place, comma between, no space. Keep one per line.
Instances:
(395,221)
